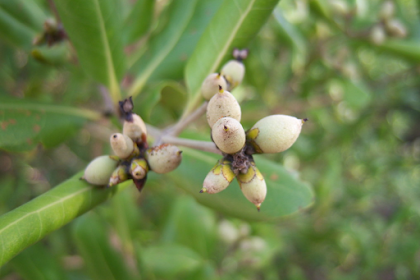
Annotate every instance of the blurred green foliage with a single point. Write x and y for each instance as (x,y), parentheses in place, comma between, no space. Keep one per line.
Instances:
(360,151)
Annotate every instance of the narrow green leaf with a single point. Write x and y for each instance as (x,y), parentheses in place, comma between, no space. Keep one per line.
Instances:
(29,13)
(25,123)
(101,260)
(36,262)
(94,28)
(15,32)
(139,20)
(409,50)
(234,25)
(32,221)
(285,194)
(146,103)
(191,225)
(180,13)
(170,260)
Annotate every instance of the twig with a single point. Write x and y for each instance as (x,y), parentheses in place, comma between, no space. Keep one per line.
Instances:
(194,144)
(54,10)
(184,122)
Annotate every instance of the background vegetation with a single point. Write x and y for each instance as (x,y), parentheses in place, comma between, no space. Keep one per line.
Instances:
(360,151)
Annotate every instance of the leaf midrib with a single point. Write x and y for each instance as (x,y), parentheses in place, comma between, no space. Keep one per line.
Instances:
(113,86)
(139,83)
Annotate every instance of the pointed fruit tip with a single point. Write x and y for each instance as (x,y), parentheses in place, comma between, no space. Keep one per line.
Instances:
(220,89)
(304,120)
(258,207)
(203,190)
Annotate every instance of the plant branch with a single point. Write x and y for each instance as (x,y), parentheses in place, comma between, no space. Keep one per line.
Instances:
(185,121)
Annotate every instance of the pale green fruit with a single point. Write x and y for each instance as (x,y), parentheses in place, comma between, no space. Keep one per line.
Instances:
(222,104)
(100,170)
(139,168)
(396,28)
(211,84)
(163,158)
(234,72)
(118,176)
(377,35)
(274,134)
(228,135)
(135,129)
(122,145)
(219,177)
(253,185)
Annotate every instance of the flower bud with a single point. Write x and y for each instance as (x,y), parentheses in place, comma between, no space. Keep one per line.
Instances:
(118,176)
(234,72)
(253,185)
(163,158)
(377,35)
(396,28)
(228,135)
(99,170)
(122,145)
(139,168)
(219,177)
(135,129)
(222,104)
(210,85)
(274,134)
(387,10)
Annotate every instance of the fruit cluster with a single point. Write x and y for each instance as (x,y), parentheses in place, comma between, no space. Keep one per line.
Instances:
(133,159)
(272,134)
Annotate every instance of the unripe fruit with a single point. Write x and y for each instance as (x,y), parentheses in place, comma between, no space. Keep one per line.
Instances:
(118,176)
(163,158)
(122,145)
(210,85)
(387,10)
(100,170)
(135,129)
(222,104)
(228,135)
(377,35)
(139,168)
(396,28)
(234,72)
(219,177)
(253,185)
(274,134)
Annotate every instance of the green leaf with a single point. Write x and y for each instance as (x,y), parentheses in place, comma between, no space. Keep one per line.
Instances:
(13,30)
(191,225)
(171,95)
(285,194)
(233,26)
(170,260)
(92,241)
(172,66)
(139,20)
(94,28)
(356,95)
(25,123)
(32,221)
(180,13)
(36,262)
(409,50)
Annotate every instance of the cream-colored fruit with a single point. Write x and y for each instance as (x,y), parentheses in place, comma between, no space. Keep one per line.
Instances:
(396,28)
(234,72)
(99,170)
(163,158)
(139,168)
(274,134)
(118,176)
(210,85)
(253,185)
(222,104)
(377,35)
(228,135)
(387,10)
(219,177)
(136,129)
(122,145)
